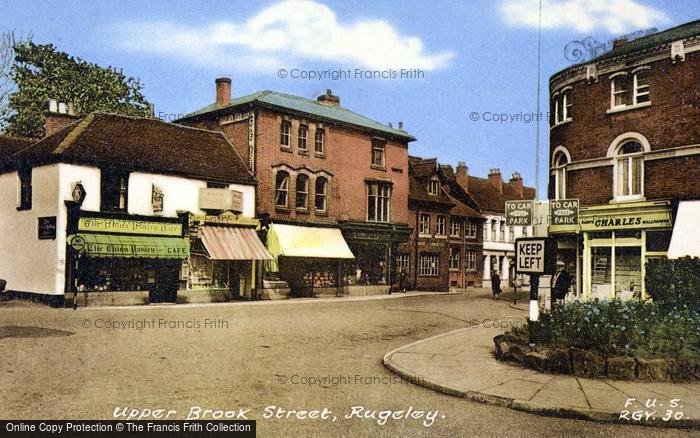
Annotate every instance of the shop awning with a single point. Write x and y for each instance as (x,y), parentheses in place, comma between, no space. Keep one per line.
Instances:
(300,241)
(232,243)
(108,245)
(685,240)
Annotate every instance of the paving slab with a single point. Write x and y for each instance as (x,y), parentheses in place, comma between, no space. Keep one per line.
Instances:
(462,363)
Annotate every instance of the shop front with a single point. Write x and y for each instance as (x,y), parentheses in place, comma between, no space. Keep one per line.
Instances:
(609,247)
(123,259)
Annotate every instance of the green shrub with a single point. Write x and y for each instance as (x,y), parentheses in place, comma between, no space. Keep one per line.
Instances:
(672,282)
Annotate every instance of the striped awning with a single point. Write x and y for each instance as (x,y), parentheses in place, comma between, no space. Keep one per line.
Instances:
(232,243)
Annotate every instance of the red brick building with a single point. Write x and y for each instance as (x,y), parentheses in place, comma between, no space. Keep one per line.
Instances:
(625,141)
(320,166)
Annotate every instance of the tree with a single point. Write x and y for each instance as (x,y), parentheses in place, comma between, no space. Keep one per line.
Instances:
(7,55)
(41,73)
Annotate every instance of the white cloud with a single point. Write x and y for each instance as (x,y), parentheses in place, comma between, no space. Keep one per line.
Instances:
(287,32)
(612,16)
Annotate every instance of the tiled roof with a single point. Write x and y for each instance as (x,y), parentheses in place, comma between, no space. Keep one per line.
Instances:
(489,199)
(142,144)
(462,209)
(302,105)
(11,145)
(418,191)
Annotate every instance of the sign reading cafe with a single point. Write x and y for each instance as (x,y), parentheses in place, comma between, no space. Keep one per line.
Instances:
(129,226)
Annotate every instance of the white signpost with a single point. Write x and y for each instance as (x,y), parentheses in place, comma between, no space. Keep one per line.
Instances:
(535,256)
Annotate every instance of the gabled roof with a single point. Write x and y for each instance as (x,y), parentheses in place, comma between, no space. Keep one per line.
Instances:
(10,145)
(311,107)
(489,199)
(136,143)
(421,172)
(462,209)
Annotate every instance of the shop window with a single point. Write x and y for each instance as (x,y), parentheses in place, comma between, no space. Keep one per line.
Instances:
(378,202)
(321,194)
(114,190)
(601,272)
(658,241)
(559,163)
(319,139)
(429,265)
(455,226)
(434,187)
(629,169)
(440,225)
(378,149)
(281,189)
(25,188)
(628,272)
(303,135)
(302,192)
(424,224)
(454,259)
(470,261)
(285,133)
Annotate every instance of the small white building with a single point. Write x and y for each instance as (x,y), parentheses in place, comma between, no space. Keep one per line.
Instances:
(112,209)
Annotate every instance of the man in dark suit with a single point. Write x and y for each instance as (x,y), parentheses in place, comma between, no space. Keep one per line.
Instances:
(560,283)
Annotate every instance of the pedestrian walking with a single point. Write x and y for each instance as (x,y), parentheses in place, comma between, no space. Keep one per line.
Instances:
(496,285)
(560,283)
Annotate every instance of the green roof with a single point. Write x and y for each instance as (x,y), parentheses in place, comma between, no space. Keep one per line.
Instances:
(677,33)
(303,105)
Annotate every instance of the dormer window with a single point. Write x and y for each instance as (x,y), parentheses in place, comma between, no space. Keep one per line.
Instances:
(434,187)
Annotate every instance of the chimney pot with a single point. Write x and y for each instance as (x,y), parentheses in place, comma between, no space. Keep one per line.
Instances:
(223,91)
(495,179)
(401,126)
(329,99)
(390,125)
(516,181)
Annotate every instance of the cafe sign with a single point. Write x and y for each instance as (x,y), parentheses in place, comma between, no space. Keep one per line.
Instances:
(564,211)
(518,213)
(129,226)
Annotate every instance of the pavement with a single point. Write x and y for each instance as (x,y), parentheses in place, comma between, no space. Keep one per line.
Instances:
(462,363)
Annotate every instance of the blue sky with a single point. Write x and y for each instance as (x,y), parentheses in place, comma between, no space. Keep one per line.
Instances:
(476,57)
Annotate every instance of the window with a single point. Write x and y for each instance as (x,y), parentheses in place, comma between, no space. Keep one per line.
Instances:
(470,229)
(619,91)
(303,134)
(281,189)
(434,187)
(559,169)
(319,138)
(402,262)
(302,191)
(440,226)
(429,265)
(562,107)
(25,188)
(502,233)
(378,202)
(114,190)
(424,224)
(321,190)
(493,230)
(454,259)
(285,129)
(455,226)
(487,227)
(629,169)
(641,87)
(378,146)
(470,261)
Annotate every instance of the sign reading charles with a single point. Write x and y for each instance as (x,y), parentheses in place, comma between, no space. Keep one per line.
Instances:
(564,211)
(518,213)
(535,255)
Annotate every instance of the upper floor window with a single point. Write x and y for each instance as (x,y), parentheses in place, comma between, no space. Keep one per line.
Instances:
(629,170)
(321,191)
(424,223)
(281,189)
(630,90)
(285,132)
(434,187)
(619,91)
(302,192)
(378,146)
(559,162)
(502,232)
(562,107)
(303,134)
(455,226)
(440,225)
(470,229)
(114,190)
(378,202)
(24,175)
(641,87)
(319,139)
(494,225)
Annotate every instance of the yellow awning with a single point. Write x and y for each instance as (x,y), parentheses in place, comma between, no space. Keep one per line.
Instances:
(302,241)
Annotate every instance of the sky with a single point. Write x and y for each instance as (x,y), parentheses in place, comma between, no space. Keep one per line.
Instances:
(447,69)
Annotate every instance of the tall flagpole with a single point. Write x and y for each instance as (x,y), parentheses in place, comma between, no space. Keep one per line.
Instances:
(537,139)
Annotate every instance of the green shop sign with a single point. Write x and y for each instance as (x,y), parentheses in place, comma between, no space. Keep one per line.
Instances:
(129,226)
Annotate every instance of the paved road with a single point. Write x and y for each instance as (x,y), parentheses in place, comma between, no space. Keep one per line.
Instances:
(255,355)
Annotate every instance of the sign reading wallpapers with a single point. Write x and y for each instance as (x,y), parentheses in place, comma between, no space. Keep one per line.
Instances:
(129,226)
(518,213)
(625,221)
(564,211)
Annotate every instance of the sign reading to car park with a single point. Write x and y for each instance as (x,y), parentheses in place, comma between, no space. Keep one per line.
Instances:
(564,211)
(518,213)
(535,255)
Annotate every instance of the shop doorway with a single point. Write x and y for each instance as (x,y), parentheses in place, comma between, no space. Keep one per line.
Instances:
(163,281)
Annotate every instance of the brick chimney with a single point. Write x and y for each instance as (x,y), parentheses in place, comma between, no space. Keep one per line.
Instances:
(496,180)
(516,181)
(223,92)
(329,99)
(58,116)
(619,43)
(462,176)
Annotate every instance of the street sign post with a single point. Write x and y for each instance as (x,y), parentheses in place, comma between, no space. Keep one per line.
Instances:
(535,256)
(518,213)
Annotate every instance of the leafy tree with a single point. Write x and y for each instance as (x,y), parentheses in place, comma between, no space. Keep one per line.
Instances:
(41,72)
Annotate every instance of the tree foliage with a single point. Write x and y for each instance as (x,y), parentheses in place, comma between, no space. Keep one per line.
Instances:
(671,282)
(41,73)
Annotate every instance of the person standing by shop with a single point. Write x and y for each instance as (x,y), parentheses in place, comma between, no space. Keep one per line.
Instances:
(560,283)
(496,285)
